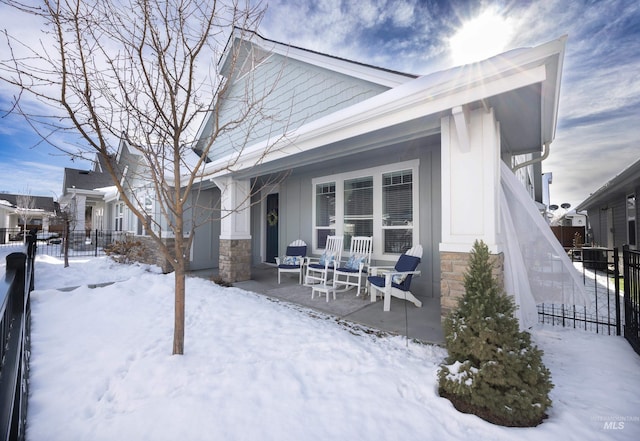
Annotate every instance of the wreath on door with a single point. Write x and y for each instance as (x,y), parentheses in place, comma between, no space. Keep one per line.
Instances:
(272,218)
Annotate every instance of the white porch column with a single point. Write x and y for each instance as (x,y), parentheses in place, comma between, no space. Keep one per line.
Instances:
(81,202)
(235,229)
(470,197)
(470,180)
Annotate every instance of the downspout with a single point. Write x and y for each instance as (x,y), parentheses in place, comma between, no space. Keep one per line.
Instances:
(545,155)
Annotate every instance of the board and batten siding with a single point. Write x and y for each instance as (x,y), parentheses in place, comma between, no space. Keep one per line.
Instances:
(294,94)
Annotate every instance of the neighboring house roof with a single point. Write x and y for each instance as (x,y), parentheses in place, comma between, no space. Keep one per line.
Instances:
(626,182)
(44,203)
(85,179)
(522,86)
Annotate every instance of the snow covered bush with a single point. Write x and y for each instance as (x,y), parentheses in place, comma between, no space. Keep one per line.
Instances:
(125,251)
(492,370)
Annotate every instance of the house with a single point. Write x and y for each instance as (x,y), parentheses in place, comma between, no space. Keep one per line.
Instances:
(83,193)
(353,149)
(15,208)
(613,212)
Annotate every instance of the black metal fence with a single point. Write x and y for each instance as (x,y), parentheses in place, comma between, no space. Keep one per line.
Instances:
(631,265)
(81,243)
(601,275)
(15,332)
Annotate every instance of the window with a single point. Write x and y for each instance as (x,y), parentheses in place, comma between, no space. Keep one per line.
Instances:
(119,216)
(631,220)
(397,211)
(380,202)
(358,209)
(325,212)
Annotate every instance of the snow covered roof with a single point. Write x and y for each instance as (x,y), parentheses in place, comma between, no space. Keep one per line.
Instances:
(40,203)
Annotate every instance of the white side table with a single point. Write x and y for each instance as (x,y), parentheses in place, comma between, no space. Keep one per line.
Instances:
(323,289)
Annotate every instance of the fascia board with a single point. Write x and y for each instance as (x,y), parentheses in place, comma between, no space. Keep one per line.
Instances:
(373,75)
(83,192)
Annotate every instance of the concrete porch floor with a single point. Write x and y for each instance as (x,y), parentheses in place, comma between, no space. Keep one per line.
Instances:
(418,323)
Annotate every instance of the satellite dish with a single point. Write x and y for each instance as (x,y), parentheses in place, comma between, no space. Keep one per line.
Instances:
(566,205)
(553,207)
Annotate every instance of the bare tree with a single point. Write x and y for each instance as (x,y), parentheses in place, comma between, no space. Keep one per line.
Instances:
(25,209)
(144,72)
(68,215)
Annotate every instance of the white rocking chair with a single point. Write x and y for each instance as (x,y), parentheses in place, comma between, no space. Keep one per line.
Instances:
(396,281)
(349,274)
(318,269)
(293,260)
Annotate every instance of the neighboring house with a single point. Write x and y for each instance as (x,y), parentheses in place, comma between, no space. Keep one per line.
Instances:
(613,210)
(39,214)
(83,193)
(361,150)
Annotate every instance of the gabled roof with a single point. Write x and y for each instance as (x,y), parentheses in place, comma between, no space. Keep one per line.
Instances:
(521,85)
(618,187)
(45,203)
(367,72)
(85,179)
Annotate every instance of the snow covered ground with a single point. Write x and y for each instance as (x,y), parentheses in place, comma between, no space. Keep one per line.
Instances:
(259,369)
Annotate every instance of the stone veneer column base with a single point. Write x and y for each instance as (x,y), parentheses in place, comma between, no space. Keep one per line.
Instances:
(151,252)
(453,267)
(235,260)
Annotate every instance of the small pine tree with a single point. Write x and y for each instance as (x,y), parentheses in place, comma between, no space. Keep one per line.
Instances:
(492,370)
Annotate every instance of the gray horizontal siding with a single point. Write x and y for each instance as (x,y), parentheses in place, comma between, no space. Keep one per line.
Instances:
(286,94)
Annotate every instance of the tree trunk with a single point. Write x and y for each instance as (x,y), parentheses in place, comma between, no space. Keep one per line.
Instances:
(178,328)
(65,242)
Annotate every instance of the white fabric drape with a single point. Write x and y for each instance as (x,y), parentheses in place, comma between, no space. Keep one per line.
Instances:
(536,267)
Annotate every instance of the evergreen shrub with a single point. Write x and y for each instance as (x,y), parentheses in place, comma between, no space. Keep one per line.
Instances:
(492,370)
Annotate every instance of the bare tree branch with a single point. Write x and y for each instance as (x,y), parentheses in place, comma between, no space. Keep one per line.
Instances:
(142,74)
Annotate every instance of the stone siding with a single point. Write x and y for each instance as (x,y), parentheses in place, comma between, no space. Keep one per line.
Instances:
(152,255)
(453,267)
(235,260)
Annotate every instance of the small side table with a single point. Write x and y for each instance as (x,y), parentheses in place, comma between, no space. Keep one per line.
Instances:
(323,289)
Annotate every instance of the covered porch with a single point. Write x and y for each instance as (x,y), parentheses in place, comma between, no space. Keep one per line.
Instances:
(423,324)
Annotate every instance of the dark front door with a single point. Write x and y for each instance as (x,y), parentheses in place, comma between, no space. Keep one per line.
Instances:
(272,227)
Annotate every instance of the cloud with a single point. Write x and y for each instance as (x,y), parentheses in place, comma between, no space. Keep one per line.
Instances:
(38,178)
(597,131)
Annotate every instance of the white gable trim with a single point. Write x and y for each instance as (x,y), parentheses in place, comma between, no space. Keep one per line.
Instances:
(353,69)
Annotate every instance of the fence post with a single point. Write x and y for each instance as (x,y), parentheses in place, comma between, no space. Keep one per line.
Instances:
(11,390)
(96,250)
(616,275)
(32,240)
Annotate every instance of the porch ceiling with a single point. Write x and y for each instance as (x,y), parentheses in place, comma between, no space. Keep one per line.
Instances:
(520,115)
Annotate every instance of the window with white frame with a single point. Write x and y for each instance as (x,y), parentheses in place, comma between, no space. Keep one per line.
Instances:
(325,212)
(119,216)
(397,211)
(380,202)
(358,208)
(631,220)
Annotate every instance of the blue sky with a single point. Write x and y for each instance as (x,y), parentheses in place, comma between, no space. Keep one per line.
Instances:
(598,130)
